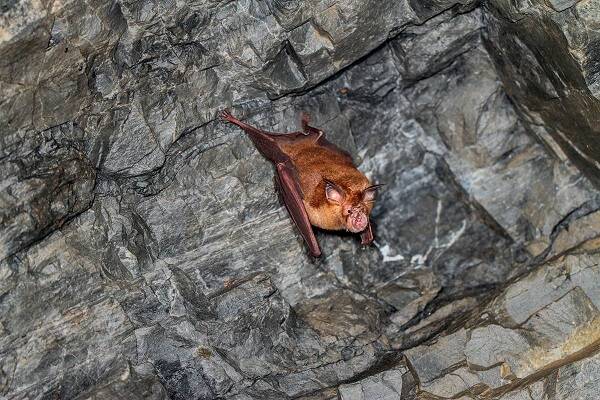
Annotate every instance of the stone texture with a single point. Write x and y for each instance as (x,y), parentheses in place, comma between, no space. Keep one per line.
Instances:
(453,384)
(493,344)
(433,360)
(46,181)
(144,254)
(556,329)
(580,231)
(547,57)
(579,380)
(385,386)
(532,392)
(547,285)
(122,381)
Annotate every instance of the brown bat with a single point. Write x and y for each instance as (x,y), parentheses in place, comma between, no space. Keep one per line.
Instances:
(318,181)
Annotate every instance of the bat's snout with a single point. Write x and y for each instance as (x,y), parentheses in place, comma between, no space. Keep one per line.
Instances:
(357,222)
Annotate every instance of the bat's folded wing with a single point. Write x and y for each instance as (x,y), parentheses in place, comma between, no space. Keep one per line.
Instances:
(321,140)
(291,193)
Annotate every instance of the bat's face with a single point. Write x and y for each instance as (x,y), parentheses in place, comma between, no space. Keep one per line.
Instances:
(353,205)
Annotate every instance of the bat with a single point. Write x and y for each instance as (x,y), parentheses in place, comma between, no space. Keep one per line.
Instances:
(318,181)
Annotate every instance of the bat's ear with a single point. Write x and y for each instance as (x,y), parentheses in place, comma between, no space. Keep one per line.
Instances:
(370,192)
(333,192)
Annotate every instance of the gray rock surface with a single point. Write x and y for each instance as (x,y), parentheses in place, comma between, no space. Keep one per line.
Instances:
(546,54)
(384,386)
(144,253)
(46,181)
(559,330)
(431,361)
(579,380)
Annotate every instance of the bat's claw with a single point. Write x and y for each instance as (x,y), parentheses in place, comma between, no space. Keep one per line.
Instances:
(305,117)
(225,115)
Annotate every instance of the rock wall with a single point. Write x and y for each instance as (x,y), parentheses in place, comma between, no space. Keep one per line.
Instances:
(145,253)
(547,55)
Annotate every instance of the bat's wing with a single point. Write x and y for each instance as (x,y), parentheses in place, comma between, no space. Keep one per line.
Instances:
(321,140)
(267,144)
(292,197)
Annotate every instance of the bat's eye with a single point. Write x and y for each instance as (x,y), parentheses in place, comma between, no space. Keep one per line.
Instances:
(333,192)
(370,193)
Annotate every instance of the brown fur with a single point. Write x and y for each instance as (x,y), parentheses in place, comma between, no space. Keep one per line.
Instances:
(316,163)
(318,181)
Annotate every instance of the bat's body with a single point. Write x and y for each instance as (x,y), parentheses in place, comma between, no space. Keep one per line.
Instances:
(316,164)
(319,182)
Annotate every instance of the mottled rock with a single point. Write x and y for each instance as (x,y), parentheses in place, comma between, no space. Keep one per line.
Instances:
(543,338)
(144,251)
(525,297)
(493,344)
(452,314)
(531,392)
(409,296)
(492,379)
(385,386)
(452,384)
(484,143)
(431,361)
(552,334)
(576,233)
(559,320)
(37,358)
(426,49)
(579,380)
(547,58)
(122,381)
(561,5)
(46,181)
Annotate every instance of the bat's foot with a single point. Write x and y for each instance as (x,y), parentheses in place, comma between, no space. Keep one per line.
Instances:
(225,115)
(305,118)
